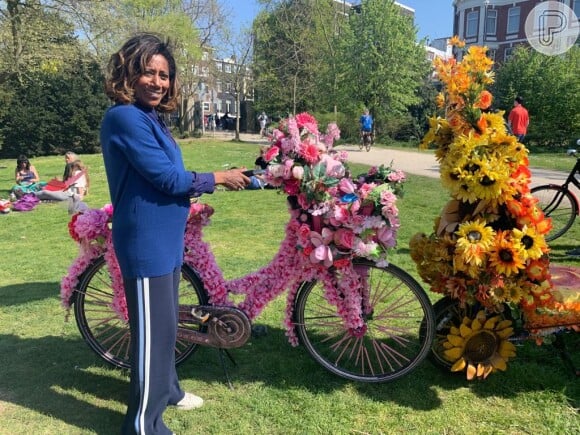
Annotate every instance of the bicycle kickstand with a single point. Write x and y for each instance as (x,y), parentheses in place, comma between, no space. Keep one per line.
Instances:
(223,362)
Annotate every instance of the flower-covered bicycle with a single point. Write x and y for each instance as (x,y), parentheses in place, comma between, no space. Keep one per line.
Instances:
(488,253)
(357,315)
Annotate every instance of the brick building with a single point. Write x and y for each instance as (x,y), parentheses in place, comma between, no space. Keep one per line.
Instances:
(497,24)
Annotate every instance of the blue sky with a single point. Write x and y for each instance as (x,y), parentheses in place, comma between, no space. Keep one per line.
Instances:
(434,18)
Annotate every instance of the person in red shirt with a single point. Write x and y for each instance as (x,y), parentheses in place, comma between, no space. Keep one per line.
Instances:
(518,119)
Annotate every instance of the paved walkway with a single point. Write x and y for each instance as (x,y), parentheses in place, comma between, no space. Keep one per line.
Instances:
(410,161)
(424,163)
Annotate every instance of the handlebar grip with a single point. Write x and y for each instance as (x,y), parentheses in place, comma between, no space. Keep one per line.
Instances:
(251,172)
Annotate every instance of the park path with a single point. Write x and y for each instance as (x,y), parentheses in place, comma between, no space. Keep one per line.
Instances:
(424,163)
(414,161)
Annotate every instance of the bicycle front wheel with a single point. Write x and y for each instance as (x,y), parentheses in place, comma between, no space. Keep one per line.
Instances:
(399,329)
(105,332)
(559,205)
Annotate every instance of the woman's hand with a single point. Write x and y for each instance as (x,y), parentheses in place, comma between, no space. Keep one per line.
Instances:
(233,179)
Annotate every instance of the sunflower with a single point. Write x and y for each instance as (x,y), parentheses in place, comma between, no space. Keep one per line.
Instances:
(534,245)
(474,240)
(480,345)
(506,256)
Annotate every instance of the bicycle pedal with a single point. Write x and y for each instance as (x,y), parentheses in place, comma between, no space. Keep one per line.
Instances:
(199,315)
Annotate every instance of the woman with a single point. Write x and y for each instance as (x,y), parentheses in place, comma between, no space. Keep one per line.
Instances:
(74,186)
(150,190)
(26,177)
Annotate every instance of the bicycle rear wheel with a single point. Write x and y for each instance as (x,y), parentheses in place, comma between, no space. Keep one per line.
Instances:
(368,142)
(105,332)
(558,204)
(399,330)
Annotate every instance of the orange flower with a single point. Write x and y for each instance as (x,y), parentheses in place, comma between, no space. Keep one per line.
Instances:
(482,124)
(537,270)
(544,226)
(484,100)
(457,42)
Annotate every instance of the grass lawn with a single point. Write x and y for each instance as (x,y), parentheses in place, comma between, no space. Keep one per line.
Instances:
(51,382)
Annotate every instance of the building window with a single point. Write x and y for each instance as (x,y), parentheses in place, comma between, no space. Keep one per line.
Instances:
(472,19)
(577,8)
(491,54)
(513,21)
(219,66)
(228,86)
(508,53)
(205,56)
(491,22)
(219,106)
(228,68)
(204,71)
(228,106)
(218,86)
(206,107)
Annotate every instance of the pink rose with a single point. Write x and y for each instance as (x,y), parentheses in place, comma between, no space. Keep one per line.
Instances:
(387,197)
(396,176)
(344,238)
(339,216)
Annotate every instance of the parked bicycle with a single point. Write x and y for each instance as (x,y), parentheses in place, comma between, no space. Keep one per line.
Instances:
(397,317)
(558,202)
(359,316)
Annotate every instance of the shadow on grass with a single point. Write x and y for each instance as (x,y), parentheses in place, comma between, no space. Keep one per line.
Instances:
(272,361)
(34,376)
(19,294)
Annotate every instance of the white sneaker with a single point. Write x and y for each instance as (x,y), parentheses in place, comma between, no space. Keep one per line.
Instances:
(189,401)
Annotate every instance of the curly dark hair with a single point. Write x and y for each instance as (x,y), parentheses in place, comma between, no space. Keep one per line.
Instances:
(128,64)
(22,162)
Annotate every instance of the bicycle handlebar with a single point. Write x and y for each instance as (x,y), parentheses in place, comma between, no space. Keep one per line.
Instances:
(251,172)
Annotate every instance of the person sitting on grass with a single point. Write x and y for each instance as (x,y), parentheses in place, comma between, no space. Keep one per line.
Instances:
(73,189)
(26,177)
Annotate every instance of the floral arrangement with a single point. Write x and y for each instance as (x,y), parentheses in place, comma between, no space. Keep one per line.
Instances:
(488,245)
(333,219)
(341,217)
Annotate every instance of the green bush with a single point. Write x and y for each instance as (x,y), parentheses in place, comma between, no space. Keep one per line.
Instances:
(51,113)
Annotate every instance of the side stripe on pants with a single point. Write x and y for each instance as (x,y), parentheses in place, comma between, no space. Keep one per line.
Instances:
(144,364)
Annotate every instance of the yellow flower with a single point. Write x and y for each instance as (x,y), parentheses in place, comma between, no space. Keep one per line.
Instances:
(514,292)
(506,256)
(479,345)
(534,245)
(474,240)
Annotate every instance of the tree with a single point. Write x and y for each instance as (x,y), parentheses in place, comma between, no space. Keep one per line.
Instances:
(384,65)
(550,88)
(286,57)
